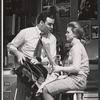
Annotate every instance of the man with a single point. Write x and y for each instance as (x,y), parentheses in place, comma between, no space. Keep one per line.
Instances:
(24,44)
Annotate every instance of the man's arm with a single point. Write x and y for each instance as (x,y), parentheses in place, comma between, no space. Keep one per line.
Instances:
(14,44)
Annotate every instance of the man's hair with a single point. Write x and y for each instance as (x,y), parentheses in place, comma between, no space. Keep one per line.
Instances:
(77,29)
(42,16)
(50,12)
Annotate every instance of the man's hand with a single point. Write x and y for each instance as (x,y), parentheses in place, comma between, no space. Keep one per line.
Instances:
(20,57)
(34,61)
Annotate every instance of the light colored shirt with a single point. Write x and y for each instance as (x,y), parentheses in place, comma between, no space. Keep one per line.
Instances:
(26,42)
(78,58)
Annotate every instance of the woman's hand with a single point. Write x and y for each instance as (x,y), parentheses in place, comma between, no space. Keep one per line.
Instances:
(57,68)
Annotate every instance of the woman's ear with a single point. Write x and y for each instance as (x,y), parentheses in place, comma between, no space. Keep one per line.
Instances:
(74,35)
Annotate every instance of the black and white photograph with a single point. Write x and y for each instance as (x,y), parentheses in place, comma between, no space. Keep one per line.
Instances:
(64,11)
(86,24)
(45,4)
(95,33)
(87,9)
(49,50)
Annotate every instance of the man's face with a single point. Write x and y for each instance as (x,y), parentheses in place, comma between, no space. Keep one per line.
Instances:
(48,25)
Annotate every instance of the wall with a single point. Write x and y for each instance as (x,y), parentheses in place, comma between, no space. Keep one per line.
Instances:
(64,21)
(92,47)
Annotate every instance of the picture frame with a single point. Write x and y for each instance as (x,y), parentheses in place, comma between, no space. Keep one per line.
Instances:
(45,4)
(64,11)
(87,10)
(86,24)
(94,32)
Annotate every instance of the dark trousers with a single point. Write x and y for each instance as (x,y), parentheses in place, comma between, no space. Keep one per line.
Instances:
(26,93)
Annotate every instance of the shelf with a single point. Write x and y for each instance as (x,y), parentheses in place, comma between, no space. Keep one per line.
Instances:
(20,13)
(93,61)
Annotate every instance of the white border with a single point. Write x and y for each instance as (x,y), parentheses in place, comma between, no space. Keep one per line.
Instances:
(1,50)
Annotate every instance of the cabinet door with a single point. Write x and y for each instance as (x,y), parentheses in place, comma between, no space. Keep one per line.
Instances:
(9,87)
(6,95)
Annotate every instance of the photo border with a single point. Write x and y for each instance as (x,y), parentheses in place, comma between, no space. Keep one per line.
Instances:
(61,2)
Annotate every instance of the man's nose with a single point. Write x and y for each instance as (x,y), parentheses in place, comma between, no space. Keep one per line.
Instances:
(51,27)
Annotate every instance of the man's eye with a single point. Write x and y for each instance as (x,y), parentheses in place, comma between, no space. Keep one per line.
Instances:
(67,32)
(49,24)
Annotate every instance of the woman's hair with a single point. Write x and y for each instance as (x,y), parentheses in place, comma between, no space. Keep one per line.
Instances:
(77,29)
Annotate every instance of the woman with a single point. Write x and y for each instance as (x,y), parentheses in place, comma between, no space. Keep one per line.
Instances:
(77,69)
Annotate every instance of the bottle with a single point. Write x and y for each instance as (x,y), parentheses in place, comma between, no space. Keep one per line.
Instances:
(6,61)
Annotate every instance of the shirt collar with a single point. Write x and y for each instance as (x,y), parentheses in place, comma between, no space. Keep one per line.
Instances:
(38,30)
(75,41)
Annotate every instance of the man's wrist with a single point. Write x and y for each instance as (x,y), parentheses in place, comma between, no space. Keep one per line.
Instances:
(45,62)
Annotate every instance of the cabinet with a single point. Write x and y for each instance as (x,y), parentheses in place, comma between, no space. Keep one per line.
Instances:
(17,14)
(9,85)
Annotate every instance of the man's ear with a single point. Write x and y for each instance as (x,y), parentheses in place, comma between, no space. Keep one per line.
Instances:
(41,22)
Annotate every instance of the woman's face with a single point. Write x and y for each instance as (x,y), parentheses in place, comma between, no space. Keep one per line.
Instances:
(69,34)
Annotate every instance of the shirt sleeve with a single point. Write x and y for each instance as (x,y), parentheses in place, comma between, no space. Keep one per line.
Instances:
(17,41)
(76,58)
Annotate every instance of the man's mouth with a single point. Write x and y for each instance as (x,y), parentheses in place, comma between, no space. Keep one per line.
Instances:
(51,31)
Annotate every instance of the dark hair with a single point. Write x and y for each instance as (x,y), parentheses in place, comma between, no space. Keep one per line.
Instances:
(77,29)
(50,12)
(42,16)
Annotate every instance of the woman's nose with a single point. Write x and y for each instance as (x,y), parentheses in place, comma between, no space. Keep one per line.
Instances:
(66,34)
